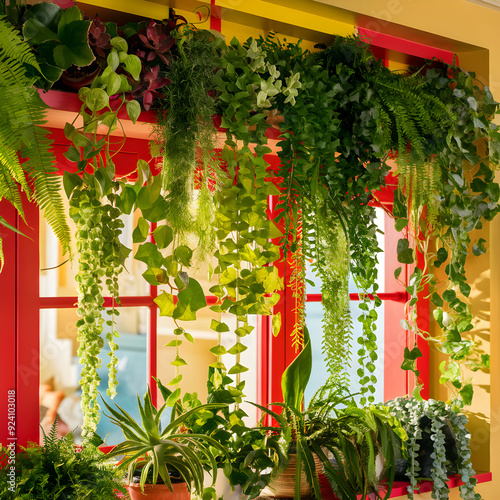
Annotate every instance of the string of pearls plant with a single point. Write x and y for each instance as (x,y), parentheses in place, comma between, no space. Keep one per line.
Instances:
(411,412)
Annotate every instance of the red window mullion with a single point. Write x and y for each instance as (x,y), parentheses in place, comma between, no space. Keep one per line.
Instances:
(8,315)
(28,327)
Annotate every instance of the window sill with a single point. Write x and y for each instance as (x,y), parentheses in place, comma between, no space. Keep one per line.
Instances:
(400,487)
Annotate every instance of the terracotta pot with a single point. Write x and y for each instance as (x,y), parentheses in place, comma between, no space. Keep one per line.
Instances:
(283,485)
(76,79)
(159,492)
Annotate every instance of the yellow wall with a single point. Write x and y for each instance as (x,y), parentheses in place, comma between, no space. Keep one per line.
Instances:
(467,28)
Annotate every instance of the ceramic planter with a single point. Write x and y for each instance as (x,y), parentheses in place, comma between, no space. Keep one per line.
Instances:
(159,492)
(283,485)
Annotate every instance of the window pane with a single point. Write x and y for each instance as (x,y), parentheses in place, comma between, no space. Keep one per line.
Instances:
(319,373)
(60,281)
(60,370)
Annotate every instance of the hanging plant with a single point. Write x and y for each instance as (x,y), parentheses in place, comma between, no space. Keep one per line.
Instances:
(325,175)
(344,116)
(248,281)
(187,136)
(100,261)
(93,197)
(437,445)
(460,196)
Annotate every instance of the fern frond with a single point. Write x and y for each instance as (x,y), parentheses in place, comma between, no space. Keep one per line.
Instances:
(22,114)
(13,47)
(8,187)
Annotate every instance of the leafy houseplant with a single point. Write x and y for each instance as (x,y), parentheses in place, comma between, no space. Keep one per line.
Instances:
(348,115)
(157,451)
(437,445)
(253,453)
(59,37)
(345,439)
(59,470)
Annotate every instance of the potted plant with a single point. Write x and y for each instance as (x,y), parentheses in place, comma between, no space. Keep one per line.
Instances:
(333,438)
(254,453)
(58,470)
(437,446)
(170,454)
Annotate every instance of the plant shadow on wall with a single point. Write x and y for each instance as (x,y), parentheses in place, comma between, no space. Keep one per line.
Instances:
(342,115)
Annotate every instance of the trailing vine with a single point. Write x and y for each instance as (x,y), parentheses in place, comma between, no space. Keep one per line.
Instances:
(414,414)
(248,280)
(100,261)
(461,195)
(95,206)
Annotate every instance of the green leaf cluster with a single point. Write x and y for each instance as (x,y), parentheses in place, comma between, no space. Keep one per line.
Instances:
(27,165)
(59,37)
(58,469)
(428,419)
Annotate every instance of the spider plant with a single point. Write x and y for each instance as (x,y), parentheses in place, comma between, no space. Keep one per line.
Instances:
(149,448)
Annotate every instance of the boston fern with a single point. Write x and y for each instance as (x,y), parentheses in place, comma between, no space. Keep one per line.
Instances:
(27,164)
(58,470)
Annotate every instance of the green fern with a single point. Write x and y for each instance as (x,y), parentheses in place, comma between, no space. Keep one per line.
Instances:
(25,149)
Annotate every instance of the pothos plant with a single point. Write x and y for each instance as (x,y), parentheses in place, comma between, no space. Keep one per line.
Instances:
(347,117)
(456,188)
(444,427)
(93,193)
(228,213)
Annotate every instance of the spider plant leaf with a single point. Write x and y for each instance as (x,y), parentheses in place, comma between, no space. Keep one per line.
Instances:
(124,420)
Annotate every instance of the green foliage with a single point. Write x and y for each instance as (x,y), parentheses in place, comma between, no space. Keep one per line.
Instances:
(184,123)
(149,448)
(100,261)
(333,424)
(254,454)
(247,279)
(460,195)
(347,116)
(60,38)
(296,376)
(59,470)
(27,164)
(412,413)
